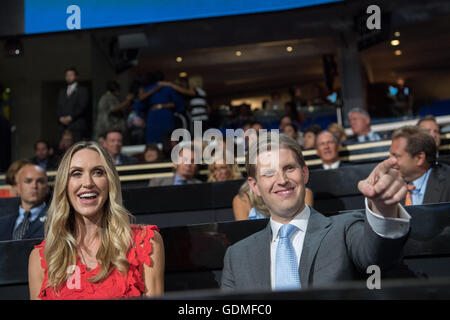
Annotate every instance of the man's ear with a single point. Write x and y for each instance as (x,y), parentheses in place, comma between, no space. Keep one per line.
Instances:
(252,183)
(420,158)
(305,173)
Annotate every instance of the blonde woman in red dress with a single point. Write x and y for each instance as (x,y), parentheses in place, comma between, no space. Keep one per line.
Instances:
(91,250)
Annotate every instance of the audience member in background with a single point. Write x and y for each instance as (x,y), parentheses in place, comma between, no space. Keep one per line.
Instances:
(221,171)
(248,206)
(42,156)
(309,136)
(327,147)
(198,107)
(275,103)
(338,131)
(184,170)
(414,153)
(111,113)
(429,124)
(290,130)
(160,106)
(332,249)
(27,220)
(88,235)
(360,122)
(113,144)
(152,154)
(72,106)
(10,177)
(65,142)
(284,121)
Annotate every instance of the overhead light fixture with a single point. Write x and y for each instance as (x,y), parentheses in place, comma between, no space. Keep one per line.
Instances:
(397,34)
(289,49)
(395,42)
(182,74)
(238,53)
(398,52)
(179,59)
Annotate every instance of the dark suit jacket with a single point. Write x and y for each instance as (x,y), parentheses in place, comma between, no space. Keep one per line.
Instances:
(438,186)
(36,229)
(337,248)
(52,163)
(75,106)
(125,160)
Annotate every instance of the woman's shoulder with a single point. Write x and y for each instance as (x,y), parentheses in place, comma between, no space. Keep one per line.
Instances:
(143,231)
(145,237)
(38,253)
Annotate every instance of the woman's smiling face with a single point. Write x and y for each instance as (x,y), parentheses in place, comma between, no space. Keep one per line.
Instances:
(87,186)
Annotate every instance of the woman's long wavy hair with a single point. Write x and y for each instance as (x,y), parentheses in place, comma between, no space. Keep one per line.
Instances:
(60,230)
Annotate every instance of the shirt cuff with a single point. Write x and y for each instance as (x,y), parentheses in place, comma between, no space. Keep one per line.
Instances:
(391,228)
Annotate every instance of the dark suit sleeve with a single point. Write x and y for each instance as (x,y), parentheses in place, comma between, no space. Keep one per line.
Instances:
(83,104)
(227,281)
(59,105)
(367,248)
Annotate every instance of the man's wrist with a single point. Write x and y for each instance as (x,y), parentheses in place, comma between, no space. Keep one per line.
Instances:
(385,211)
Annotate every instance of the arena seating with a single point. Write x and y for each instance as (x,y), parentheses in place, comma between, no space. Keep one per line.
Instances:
(194,254)
(138,175)
(212,202)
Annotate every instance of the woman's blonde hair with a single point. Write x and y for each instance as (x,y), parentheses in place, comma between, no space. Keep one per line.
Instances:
(255,201)
(235,173)
(60,231)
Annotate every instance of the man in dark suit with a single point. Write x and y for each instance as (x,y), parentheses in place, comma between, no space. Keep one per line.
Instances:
(113,144)
(72,107)
(27,220)
(42,156)
(300,247)
(414,152)
(184,170)
(327,148)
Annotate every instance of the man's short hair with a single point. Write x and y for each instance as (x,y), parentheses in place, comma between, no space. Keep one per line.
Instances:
(105,134)
(266,145)
(359,110)
(41,141)
(428,117)
(326,131)
(418,141)
(314,128)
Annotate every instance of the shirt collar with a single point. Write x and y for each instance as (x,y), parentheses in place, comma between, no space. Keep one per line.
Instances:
(177,179)
(72,86)
(334,165)
(300,221)
(419,182)
(34,212)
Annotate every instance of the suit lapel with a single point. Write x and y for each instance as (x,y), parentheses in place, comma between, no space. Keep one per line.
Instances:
(259,258)
(433,191)
(318,227)
(37,224)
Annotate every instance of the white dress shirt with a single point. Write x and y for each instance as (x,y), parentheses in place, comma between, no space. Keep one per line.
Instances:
(391,228)
(334,165)
(71,88)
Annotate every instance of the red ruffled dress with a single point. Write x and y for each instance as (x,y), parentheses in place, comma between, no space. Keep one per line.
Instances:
(116,285)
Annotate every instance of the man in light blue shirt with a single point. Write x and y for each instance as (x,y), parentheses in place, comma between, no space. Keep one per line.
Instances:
(414,153)
(300,247)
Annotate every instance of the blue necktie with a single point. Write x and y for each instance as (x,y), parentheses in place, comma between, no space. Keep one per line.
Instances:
(286,265)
